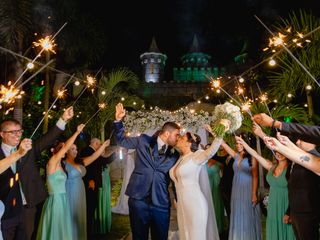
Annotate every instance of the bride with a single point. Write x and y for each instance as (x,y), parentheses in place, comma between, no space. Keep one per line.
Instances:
(196,217)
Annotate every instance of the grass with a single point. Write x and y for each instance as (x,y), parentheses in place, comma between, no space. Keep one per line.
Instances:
(120,227)
(120,223)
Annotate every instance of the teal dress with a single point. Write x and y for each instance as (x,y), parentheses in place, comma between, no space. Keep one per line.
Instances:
(214,179)
(55,221)
(277,207)
(103,212)
(77,201)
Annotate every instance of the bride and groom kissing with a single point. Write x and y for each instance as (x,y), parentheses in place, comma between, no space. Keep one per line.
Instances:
(156,162)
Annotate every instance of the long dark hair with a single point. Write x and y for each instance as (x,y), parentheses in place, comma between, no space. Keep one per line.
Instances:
(55,149)
(245,153)
(276,163)
(195,140)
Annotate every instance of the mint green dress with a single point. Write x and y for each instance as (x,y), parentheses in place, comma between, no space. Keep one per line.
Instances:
(214,179)
(277,206)
(103,212)
(55,221)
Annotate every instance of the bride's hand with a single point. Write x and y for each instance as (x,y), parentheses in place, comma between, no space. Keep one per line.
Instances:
(226,123)
(208,128)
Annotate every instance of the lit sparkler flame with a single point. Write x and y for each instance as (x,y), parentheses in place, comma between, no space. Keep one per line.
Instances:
(102,105)
(215,83)
(263,97)
(91,81)
(60,93)
(246,106)
(46,43)
(8,95)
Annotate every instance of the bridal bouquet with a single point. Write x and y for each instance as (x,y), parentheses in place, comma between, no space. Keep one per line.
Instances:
(226,111)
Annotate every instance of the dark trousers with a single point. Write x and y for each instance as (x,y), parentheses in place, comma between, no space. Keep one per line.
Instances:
(92,202)
(143,216)
(29,221)
(226,198)
(21,227)
(14,228)
(305,226)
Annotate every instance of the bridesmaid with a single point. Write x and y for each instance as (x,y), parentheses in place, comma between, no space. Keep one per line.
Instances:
(278,227)
(24,147)
(277,176)
(75,168)
(213,169)
(245,219)
(55,221)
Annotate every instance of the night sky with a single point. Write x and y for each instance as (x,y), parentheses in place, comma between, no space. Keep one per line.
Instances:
(222,28)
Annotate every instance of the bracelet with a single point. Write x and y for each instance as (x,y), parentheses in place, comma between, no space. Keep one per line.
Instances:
(273,122)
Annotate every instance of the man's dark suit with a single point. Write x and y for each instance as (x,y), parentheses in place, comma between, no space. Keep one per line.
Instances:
(149,200)
(304,187)
(94,172)
(310,134)
(32,186)
(226,181)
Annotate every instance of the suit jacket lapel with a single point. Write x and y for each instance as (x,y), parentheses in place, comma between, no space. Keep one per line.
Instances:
(168,155)
(152,148)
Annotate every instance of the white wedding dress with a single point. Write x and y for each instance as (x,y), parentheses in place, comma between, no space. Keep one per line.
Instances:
(195,212)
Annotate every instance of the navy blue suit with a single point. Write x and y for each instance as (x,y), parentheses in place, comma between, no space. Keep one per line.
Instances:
(149,200)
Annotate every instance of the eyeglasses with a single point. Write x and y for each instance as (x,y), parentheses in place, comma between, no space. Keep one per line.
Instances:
(14,132)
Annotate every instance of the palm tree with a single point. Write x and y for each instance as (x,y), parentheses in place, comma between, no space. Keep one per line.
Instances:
(290,77)
(116,86)
(15,24)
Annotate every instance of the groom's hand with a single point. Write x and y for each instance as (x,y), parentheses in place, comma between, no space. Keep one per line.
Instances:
(120,112)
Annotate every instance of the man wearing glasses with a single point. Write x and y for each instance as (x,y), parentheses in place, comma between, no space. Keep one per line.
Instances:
(21,187)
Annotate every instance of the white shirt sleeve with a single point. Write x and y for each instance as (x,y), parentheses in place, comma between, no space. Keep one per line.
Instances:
(61,124)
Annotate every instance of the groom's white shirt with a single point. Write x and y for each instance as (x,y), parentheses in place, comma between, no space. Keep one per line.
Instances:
(161,143)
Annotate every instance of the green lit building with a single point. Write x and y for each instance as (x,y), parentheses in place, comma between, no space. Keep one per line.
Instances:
(196,66)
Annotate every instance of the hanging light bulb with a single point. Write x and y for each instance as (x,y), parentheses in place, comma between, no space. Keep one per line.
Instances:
(272,62)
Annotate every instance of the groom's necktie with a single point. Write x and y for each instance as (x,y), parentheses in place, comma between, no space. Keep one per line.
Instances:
(162,150)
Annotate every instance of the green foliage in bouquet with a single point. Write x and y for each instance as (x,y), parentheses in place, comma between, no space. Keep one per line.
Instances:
(226,111)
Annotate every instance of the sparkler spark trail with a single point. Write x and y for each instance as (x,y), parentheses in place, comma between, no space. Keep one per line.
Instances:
(290,53)
(60,94)
(39,54)
(101,106)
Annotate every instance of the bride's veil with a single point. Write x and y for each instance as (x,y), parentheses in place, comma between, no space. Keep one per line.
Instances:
(212,229)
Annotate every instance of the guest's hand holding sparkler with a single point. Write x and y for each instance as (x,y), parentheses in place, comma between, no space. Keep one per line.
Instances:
(24,147)
(67,114)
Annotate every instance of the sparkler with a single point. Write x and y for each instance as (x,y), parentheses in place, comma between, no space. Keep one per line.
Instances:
(290,53)
(60,94)
(47,44)
(101,106)
(91,81)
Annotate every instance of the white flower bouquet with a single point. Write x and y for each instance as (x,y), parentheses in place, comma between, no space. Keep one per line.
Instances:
(229,112)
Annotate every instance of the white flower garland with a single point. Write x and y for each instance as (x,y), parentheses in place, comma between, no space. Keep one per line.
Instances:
(137,122)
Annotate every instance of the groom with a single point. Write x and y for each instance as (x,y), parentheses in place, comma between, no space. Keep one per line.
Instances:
(149,200)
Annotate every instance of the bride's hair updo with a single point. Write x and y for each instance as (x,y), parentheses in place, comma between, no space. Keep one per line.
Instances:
(195,140)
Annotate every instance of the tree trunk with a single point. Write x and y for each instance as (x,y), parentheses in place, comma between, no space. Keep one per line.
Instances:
(261,177)
(102,132)
(46,97)
(310,104)
(18,105)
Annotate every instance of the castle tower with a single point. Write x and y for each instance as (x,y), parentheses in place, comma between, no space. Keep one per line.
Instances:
(153,63)
(195,58)
(195,66)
